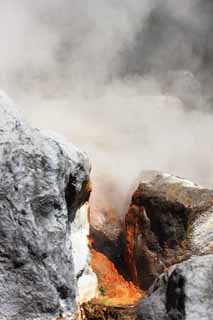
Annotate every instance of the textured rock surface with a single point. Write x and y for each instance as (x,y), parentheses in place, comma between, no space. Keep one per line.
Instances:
(103,312)
(169,220)
(86,278)
(114,290)
(107,236)
(42,184)
(184,293)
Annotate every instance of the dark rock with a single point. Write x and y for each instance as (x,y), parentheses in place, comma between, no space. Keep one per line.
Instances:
(107,236)
(95,311)
(169,220)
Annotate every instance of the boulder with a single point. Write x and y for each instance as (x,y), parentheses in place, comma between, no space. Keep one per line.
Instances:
(169,220)
(43,183)
(183,293)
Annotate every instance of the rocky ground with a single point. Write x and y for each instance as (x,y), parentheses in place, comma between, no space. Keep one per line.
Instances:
(167,253)
(157,264)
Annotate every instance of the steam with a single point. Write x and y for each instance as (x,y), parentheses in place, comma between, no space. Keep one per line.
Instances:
(128,81)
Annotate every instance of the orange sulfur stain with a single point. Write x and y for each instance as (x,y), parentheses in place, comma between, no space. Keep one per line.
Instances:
(113,288)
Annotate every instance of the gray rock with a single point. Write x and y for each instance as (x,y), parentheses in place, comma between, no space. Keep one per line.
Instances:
(42,184)
(184,293)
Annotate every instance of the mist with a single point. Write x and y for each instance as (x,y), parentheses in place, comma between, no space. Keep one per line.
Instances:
(129,82)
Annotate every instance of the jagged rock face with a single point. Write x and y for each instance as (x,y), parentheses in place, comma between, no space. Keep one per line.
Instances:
(184,293)
(117,298)
(114,290)
(42,184)
(169,220)
(107,236)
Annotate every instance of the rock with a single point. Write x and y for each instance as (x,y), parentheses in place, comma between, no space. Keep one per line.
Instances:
(169,220)
(107,222)
(92,311)
(117,298)
(114,289)
(183,293)
(107,236)
(86,278)
(43,182)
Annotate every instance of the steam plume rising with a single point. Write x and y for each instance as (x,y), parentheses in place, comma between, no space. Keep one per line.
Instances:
(129,81)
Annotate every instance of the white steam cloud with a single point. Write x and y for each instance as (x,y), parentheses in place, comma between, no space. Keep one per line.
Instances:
(128,81)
